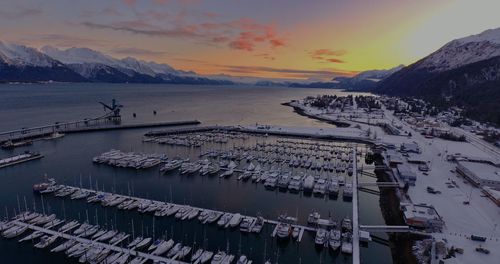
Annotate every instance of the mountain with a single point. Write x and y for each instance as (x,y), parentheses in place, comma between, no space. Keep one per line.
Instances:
(366,80)
(464,72)
(24,64)
(20,63)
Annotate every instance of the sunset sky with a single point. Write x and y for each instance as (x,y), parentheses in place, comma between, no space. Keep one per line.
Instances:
(265,38)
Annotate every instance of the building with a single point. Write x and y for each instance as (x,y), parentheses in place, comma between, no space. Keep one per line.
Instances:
(405,174)
(480,174)
(493,194)
(421,216)
(410,147)
(393,158)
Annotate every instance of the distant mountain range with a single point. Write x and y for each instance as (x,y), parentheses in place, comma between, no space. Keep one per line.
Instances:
(20,63)
(464,72)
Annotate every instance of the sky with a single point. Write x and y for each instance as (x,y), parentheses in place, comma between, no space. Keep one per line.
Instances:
(293,39)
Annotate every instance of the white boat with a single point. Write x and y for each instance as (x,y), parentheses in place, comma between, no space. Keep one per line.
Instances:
(334,239)
(205,257)
(196,255)
(321,237)
(242,260)
(346,243)
(32,236)
(68,226)
(174,250)
(235,220)
(218,258)
(163,247)
(108,235)
(145,242)
(46,241)
(283,230)
(14,231)
(224,220)
(64,246)
(308,184)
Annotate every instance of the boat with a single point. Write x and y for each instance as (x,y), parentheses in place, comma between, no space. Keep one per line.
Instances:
(334,240)
(258,225)
(32,236)
(205,257)
(308,184)
(224,220)
(320,187)
(346,225)
(118,238)
(68,226)
(46,241)
(14,231)
(283,230)
(174,250)
(246,224)
(64,246)
(163,247)
(185,250)
(108,235)
(227,173)
(346,243)
(242,260)
(347,193)
(134,242)
(235,220)
(196,255)
(295,232)
(218,258)
(321,237)
(145,242)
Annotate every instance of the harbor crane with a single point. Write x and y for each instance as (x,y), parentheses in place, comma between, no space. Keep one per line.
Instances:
(114,110)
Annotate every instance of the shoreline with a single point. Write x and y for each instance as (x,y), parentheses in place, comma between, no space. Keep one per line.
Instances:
(301,112)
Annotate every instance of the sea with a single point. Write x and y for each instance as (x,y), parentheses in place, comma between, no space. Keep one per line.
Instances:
(69,161)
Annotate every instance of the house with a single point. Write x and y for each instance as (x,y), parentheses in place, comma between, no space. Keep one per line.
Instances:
(405,174)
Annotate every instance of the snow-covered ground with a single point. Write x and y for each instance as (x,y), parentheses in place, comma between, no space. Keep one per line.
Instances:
(480,217)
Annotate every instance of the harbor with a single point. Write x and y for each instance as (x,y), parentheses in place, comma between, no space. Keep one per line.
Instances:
(138,168)
(25,157)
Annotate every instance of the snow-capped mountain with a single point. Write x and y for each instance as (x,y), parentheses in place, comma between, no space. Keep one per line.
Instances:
(91,58)
(19,55)
(20,63)
(376,75)
(464,51)
(464,72)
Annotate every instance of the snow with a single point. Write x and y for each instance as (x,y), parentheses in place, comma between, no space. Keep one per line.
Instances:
(376,74)
(480,217)
(20,55)
(491,35)
(92,57)
(464,51)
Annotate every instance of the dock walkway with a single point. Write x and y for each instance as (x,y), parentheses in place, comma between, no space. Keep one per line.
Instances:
(133,253)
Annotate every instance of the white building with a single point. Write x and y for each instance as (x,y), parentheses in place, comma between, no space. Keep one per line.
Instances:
(421,215)
(480,174)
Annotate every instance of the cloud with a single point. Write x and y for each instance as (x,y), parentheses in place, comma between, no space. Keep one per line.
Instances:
(326,74)
(130,2)
(61,40)
(327,55)
(266,56)
(241,34)
(20,12)
(137,52)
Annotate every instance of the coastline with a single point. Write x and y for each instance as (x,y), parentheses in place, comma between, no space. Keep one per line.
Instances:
(301,112)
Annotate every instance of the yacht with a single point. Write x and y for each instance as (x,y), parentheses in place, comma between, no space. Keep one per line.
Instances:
(320,187)
(333,187)
(224,220)
(218,258)
(163,247)
(295,184)
(64,246)
(283,230)
(145,242)
(347,190)
(321,237)
(308,184)
(174,250)
(205,257)
(235,220)
(295,232)
(334,239)
(346,243)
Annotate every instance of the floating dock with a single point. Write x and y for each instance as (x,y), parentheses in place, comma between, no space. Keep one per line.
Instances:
(19,159)
(268,221)
(132,253)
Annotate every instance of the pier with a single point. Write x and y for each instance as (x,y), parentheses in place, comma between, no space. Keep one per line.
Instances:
(34,133)
(355,215)
(268,221)
(132,253)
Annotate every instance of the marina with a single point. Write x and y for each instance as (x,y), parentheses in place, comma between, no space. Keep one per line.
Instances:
(267,167)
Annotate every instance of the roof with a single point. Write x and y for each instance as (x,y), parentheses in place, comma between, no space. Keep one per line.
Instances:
(483,171)
(419,211)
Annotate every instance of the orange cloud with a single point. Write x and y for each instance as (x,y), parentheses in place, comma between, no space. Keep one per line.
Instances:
(327,55)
